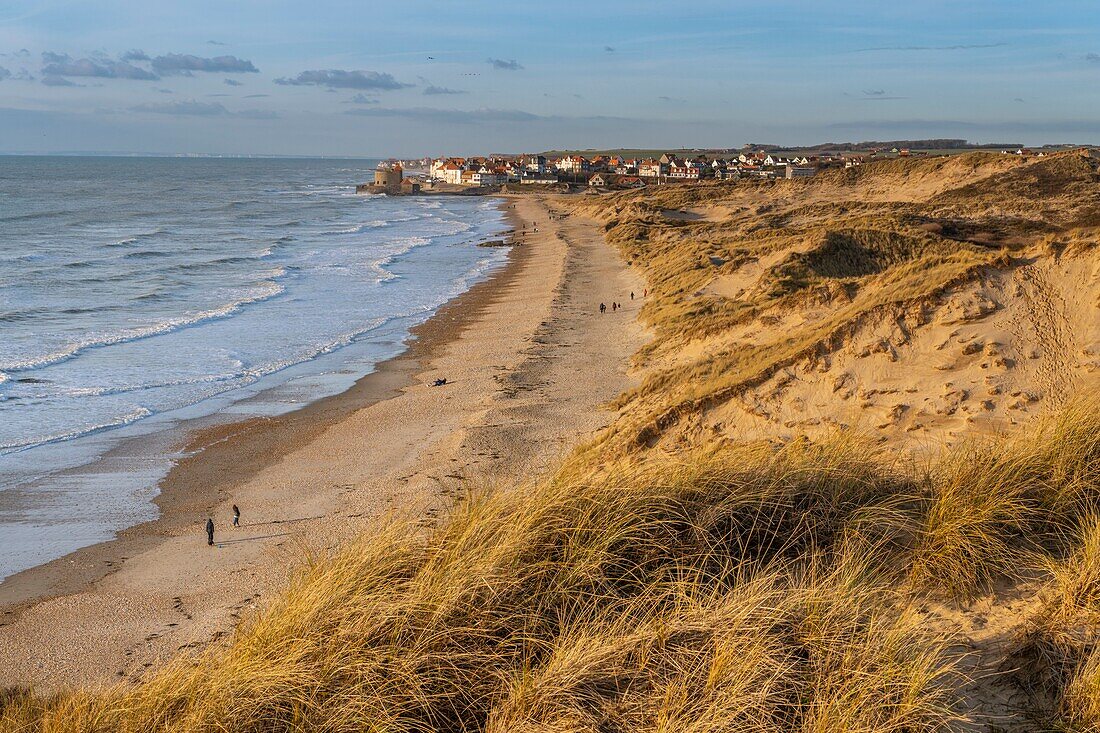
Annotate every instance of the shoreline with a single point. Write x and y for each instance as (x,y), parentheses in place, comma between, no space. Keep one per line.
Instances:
(212,448)
(519,350)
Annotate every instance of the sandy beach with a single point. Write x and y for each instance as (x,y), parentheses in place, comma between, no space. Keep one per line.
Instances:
(530,364)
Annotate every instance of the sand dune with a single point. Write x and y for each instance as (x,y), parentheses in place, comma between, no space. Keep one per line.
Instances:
(743,542)
(919,300)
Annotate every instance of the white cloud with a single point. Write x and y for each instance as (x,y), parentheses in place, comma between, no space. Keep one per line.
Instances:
(62,65)
(189,108)
(342,79)
(181,63)
(505,65)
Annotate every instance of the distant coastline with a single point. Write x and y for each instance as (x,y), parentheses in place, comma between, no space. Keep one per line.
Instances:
(341,278)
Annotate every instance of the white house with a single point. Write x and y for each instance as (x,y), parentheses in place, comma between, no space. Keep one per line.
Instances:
(532,177)
(684,170)
(452,172)
(652,169)
(573,164)
(793,171)
(486,176)
(535,163)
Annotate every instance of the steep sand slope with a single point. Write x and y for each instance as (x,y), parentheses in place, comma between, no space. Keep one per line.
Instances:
(924,300)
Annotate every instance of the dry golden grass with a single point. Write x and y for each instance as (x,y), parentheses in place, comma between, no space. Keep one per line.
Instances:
(718,589)
(1080,703)
(825,652)
(1057,651)
(1057,489)
(748,587)
(996,507)
(851,247)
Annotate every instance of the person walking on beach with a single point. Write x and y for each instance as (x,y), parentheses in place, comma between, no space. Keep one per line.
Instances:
(236,516)
(603,308)
(209,531)
(632,295)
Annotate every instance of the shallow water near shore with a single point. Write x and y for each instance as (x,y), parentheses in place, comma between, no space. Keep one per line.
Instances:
(138,293)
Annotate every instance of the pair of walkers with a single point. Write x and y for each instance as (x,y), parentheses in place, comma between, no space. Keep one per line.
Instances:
(210,524)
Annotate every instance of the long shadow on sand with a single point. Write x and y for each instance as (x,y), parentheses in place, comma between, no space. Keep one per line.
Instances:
(250,539)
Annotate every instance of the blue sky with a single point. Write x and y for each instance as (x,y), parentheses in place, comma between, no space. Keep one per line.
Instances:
(418,77)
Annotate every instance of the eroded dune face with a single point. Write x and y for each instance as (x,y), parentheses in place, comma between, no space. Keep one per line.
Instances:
(920,300)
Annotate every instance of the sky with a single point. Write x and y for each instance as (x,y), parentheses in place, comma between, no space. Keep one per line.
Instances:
(431,77)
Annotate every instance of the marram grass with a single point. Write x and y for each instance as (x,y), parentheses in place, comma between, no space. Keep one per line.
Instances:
(735,587)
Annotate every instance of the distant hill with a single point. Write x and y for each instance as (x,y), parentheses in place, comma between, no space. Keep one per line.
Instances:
(938,146)
(934,144)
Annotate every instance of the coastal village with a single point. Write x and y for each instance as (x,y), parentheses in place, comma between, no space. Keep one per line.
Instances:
(598,172)
(602,171)
(610,172)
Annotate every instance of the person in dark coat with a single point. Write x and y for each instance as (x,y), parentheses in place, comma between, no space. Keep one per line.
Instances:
(236,516)
(209,531)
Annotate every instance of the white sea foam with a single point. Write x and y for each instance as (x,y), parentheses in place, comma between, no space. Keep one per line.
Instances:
(360,228)
(275,281)
(256,295)
(127,419)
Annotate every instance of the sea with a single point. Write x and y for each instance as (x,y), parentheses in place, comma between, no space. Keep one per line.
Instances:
(137,294)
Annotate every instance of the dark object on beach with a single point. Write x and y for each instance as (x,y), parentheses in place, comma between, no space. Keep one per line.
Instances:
(602,307)
(632,295)
(439,382)
(236,516)
(209,531)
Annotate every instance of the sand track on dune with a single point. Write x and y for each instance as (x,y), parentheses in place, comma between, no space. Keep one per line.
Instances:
(982,357)
(1048,324)
(924,303)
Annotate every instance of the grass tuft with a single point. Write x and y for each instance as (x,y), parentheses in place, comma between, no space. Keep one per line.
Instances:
(692,593)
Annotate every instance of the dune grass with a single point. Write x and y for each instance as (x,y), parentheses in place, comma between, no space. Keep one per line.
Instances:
(751,278)
(1058,651)
(840,265)
(728,587)
(997,507)
(1079,707)
(749,587)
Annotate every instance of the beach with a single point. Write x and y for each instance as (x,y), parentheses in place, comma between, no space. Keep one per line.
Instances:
(530,365)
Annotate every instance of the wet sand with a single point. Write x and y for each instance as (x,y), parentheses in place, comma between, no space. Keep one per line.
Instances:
(530,364)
